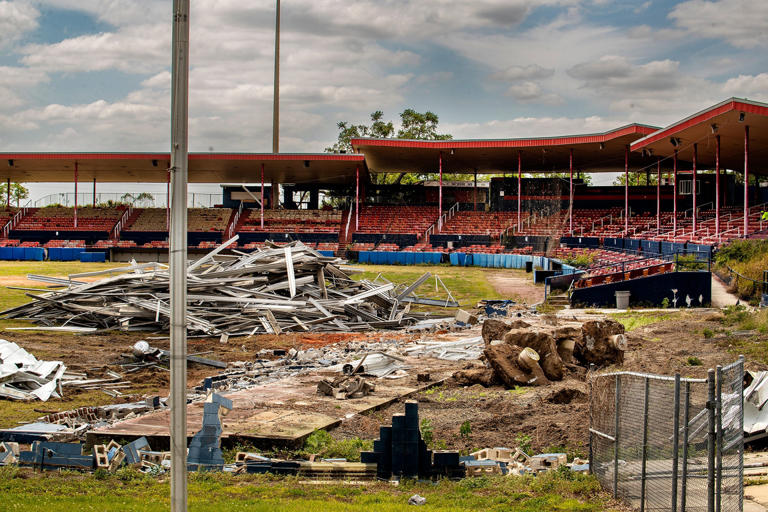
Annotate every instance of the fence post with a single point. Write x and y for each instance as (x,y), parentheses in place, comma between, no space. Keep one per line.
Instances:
(741,429)
(675,441)
(719,449)
(711,440)
(645,445)
(684,483)
(616,403)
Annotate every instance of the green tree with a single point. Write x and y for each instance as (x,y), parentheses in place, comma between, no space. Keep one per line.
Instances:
(414,125)
(347,132)
(636,179)
(18,192)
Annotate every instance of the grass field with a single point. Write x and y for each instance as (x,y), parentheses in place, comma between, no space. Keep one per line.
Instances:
(129,490)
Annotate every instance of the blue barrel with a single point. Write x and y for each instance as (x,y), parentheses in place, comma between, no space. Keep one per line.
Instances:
(469,259)
(437,258)
(6,253)
(454,257)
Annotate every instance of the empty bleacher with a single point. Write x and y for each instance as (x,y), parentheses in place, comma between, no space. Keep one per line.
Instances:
(478,223)
(396,219)
(198,219)
(291,221)
(58,218)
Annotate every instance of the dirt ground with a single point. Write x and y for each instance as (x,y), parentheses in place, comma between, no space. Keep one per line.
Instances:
(516,286)
(555,416)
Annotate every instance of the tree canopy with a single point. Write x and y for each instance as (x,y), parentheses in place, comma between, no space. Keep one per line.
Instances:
(18,193)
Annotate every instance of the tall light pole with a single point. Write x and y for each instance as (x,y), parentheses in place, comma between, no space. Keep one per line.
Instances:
(178,253)
(276,100)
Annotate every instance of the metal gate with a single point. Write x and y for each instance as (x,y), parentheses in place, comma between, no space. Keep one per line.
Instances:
(670,443)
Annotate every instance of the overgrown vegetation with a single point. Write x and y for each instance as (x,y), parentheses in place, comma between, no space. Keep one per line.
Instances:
(749,258)
(632,320)
(583,259)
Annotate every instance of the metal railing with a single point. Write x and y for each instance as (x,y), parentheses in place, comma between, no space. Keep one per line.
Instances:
(230,232)
(121,223)
(669,443)
(14,221)
(446,216)
(137,199)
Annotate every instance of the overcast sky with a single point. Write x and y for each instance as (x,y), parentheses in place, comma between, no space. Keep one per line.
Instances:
(93,75)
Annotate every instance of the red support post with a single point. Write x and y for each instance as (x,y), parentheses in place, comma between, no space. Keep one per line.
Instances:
(674,195)
(75,195)
(717,185)
(519,189)
(693,184)
(262,196)
(440,195)
(658,195)
(626,190)
(570,194)
(357,198)
(746,181)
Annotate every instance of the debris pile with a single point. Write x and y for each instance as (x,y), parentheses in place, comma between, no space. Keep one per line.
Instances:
(24,377)
(289,288)
(521,354)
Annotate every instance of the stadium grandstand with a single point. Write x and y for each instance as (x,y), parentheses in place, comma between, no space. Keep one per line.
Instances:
(698,176)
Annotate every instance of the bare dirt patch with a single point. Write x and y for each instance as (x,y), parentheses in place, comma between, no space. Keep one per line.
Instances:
(516,286)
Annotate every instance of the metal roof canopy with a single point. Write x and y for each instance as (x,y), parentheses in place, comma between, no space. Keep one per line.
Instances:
(698,129)
(203,167)
(601,152)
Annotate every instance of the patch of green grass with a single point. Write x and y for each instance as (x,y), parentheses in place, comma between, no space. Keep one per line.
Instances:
(52,268)
(693,361)
(632,320)
(129,490)
(468,285)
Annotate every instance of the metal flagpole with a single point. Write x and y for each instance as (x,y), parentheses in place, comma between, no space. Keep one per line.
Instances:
(178,253)
(276,91)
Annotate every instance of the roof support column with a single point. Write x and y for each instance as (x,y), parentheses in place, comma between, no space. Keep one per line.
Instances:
(658,195)
(75,194)
(357,197)
(570,194)
(626,190)
(519,189)
(674,195)
(440,195)
(717,185)
(262,197)
(474,194)
(94,192)
(8,193)
(693,184)
(746,181)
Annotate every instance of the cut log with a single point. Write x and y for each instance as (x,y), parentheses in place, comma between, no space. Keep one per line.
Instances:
(483,376)
(544,344)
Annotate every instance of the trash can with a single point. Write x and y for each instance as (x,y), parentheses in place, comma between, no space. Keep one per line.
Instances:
(622,299)
(529,266)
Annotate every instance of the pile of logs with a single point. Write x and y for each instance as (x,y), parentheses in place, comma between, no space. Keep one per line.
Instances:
(288,288)
(521,354)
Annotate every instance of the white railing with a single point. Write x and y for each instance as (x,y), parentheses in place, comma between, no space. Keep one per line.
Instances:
(15,220)
(235,220)
(446,216)
(137,199)
(121,223)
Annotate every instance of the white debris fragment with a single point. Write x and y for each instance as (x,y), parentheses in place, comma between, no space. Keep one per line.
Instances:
(23,377)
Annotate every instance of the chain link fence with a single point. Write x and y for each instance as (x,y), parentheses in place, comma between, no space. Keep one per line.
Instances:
(670,443)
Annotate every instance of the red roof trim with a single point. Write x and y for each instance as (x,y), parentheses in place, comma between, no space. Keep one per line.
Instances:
(507,143)
(702,117)
(192,156)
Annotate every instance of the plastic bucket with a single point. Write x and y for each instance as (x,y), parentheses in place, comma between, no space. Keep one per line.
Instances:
(622,299)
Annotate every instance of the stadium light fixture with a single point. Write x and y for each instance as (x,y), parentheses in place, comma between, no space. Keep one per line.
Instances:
(742,115)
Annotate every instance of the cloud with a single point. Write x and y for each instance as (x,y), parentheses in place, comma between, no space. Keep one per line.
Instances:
(616,75)
(532,127)
(755,87)
(16,19)
(742,23)
(529,72)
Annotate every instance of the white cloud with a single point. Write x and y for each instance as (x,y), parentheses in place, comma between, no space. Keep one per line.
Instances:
(16,19)
(755,87)
(533,127)
(529,72)
(742,23)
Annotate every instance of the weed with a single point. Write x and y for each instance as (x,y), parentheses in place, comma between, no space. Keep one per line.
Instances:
(465,430)
(693,361)
(665,303)
(708,333)
(426,431)
(523,441)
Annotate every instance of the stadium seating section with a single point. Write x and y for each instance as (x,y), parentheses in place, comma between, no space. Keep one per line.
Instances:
(397,219)
(57,218)
(198,219)
(291,221)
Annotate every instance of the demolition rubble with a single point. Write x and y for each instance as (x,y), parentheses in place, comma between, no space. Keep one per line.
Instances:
(278,289)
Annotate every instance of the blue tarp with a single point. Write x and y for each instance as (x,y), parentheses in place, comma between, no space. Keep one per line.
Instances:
(96,257)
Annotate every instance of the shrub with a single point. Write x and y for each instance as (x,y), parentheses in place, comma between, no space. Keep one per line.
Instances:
(693,361)
(465,430)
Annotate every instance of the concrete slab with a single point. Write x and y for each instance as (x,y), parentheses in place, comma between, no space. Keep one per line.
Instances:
(757,494)
(285,411)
